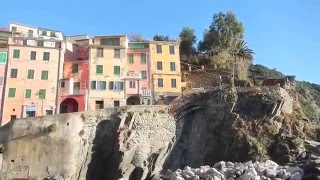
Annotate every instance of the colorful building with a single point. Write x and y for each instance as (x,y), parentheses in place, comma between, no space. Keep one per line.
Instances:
(5,34)
(137,80)
(165,71)
(108,59)
(73,88)
(35,62)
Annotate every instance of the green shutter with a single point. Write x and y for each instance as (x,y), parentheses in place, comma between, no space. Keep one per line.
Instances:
(16,53)
(143,58)
(33,55)
(93,84)
(116,70)
(44,75)
(12,92)
(75,68)
(28,93)
(111,83)
(121,86)
(46,56)
(42,94)
(30,74)
(99,69)
(3,57)
(104,85)
(14,73)
(144,74)
(130,58)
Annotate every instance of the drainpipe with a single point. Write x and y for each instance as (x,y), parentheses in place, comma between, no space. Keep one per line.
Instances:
(58,80)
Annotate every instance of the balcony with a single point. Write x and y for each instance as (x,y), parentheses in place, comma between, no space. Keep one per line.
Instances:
(145,92)
(72,91)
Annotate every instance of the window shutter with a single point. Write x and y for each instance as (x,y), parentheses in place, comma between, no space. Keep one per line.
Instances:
(121,86)
(28,93)
(104,85)
(93,84)
(111,83)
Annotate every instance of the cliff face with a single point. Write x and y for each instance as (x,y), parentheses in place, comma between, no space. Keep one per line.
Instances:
(139,142)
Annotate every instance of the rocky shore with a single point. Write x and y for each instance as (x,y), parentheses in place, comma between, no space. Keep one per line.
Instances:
(243,171)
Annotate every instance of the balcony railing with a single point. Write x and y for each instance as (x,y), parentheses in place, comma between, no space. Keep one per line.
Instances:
(145,92)
(75,91)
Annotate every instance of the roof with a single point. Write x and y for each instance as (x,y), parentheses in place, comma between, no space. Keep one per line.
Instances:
(110,36)
(34,27)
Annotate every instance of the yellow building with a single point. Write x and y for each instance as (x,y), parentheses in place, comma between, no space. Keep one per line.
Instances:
(108,59)
(165,71)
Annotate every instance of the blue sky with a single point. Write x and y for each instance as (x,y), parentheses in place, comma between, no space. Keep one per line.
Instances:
(284,34)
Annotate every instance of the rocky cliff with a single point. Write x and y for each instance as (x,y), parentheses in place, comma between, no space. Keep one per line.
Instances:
(144,142)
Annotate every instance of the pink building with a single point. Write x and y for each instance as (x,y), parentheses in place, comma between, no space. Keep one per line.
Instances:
(137,81)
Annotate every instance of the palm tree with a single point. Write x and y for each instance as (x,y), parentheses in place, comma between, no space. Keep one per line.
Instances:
(242,54)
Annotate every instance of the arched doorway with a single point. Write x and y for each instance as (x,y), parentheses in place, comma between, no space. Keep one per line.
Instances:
(133,100)
(69,105)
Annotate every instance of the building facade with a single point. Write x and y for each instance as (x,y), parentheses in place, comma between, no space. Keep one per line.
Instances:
(137,80)
(5,34)
(165,71)
(35,62)
(73,88)
(108,59)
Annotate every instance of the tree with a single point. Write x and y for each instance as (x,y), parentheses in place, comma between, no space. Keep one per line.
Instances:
(160,38)
(223,34)
(243,57)
(136,38)
(187,40)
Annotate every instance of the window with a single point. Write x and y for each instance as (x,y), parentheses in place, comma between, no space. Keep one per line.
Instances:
(116,85)
(143,74)
(13,29)
(132,84)
(159,48)
(76,87)
(172,66)
(116,103)
(160,82)
(49,112)
(98,85)
(30,113)
(117,53)
(16,53)
(116,70)
(40,43)
(14,73)
(12,92)
(3,57)
(143,58)
(173,83)
(28,93)
(44,33)
(99,105)
(130,58)
(42,94)
(99,69)
(30,74)
(44,75)
(53,34)
(30,33)
(159,65)
(75,68)
(33,55)
(63,84)
(100,52)
(171,49)
(46,56)
(110,41)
